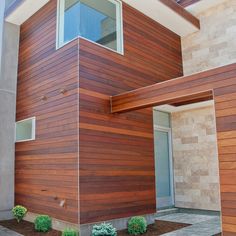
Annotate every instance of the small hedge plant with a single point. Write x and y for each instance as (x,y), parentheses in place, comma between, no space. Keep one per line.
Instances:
(70,232)
(43,223)
(19,212)
(104,229)
(137,225)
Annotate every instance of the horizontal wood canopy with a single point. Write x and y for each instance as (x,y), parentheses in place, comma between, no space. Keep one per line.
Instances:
(177,90)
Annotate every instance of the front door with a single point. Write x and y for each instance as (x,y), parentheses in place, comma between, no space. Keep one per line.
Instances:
(163,168)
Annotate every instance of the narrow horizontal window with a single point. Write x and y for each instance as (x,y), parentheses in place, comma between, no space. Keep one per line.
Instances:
(25,130)
(98,21)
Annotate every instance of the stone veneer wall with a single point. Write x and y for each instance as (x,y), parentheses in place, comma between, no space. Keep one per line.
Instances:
(195,159)
(215,44)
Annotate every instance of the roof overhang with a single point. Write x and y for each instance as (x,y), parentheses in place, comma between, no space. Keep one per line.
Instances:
(166,12)
(169,14)
(21,10)
(200,6)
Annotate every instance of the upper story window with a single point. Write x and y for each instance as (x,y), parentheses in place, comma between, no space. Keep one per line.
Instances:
(97,20)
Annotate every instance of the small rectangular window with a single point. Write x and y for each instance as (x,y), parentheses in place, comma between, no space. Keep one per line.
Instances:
(98,21)
(25,130)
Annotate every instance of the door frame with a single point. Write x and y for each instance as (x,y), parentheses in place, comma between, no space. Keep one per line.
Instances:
(168,131)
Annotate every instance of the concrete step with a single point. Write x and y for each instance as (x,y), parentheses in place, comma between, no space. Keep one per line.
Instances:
(166,212)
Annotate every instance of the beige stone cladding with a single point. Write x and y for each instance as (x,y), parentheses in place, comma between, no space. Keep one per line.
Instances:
(215,44)
(195,159)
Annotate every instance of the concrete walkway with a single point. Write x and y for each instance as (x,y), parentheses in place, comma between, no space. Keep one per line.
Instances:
(6,232)
(201,225)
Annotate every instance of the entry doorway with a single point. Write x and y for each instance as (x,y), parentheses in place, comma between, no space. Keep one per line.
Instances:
(163,160)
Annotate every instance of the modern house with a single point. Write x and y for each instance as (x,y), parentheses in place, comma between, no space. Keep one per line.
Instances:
(111,109)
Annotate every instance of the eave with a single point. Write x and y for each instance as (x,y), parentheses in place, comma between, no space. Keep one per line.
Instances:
(166,12)
(21,10)
(169,14)
(202,5)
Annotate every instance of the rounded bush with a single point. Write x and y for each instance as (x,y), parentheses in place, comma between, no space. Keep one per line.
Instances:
(104,229)
(137,225)
(70,232)
(19,212)
(43,223)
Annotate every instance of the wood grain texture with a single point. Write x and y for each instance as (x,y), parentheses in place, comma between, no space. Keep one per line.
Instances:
(117,177)
(47,168)
(116,156)
(221,82)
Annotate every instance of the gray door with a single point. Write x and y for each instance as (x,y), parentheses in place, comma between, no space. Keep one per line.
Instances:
(163,168)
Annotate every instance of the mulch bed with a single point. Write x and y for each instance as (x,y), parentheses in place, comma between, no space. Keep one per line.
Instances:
(26,228)
(159,228)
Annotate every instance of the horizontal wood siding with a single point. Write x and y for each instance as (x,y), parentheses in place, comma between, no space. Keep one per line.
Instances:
(225,105)
(117,177)
(222,83)
(47,168)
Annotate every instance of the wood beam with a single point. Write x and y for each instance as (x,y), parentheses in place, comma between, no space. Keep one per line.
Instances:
(195,99)
(185,3)
(176,90)
(177,8)
(169,14)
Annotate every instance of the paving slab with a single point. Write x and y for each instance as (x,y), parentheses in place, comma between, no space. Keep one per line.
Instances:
(186,218)
(202,225)
(7,232)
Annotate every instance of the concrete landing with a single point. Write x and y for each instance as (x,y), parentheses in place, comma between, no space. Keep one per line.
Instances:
(201,225)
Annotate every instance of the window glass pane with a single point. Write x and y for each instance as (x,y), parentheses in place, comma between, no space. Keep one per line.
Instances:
(161,118)
(94,20)
(98,22)
(71,20)
(24,130)
(162,164)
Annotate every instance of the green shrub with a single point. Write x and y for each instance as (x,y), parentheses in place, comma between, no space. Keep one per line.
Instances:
(19,212)
(70,232)
(137,225)
(104,229)
(43,223)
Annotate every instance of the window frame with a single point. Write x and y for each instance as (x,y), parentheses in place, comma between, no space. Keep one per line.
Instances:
(119,27)
(33,132)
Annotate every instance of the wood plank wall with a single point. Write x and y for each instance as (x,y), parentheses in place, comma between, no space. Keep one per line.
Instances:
(222,83)
(225,106)
(47,168)
(116,155)
(116,151)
